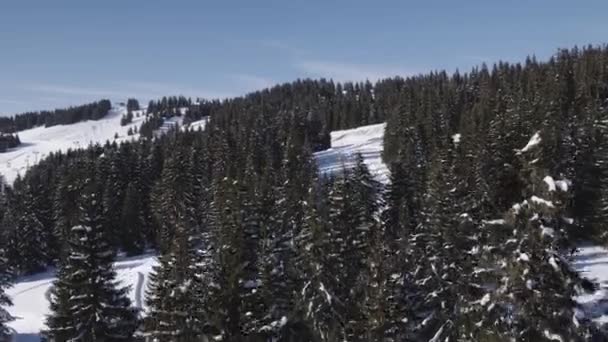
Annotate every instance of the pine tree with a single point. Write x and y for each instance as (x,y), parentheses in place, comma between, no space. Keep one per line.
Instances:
(537,283)
(178,293)
(132,221)
(87,302)
(30,243)
(366,243)
(5,301)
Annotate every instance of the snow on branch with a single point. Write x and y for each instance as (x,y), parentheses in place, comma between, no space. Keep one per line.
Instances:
(535,140)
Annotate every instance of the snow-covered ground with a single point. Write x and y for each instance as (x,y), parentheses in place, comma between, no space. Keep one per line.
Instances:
(30,293)
(196,125)
(37,143)
(345,144)
(592,263)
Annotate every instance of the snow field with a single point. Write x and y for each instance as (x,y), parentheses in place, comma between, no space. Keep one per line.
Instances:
(367,140)
(37,143)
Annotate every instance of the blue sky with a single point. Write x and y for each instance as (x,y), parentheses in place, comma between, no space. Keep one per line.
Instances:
(59,53)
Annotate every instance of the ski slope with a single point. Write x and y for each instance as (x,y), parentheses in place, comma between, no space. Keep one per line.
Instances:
(346,144)
(30,294)
(37,143)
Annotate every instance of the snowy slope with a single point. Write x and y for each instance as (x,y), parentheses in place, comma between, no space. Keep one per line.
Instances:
(592,263)
(196,125)
(30,293)
(366,140)
(40,141)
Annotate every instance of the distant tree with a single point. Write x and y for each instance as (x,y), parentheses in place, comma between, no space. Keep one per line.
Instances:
(132,104)
(5,301)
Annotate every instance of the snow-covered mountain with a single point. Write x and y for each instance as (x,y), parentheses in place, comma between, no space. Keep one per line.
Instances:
(40,141)
(30,293)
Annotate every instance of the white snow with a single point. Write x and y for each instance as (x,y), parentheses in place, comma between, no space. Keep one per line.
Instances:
(456,138)
(553,337)
(592,263)
(523,257)
(196,125)
(484,300)
(30,294)
(367,140)
(550,183)
(494,222)
(547,231)
(535,140)
(539,200)
(37,143)
(563,184)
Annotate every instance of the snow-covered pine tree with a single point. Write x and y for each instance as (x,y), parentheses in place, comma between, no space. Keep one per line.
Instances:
(176,295)
(5,301)
(367,245)
(342,274)
(88,303)
(252,310)
(226,238)
(113,197)
(177,292)
(132,221)
(175,187)
(433,274)
(30,243)
(536,283)
(597,180)
(60,324)
(323,240)
(288,195)
(397,221)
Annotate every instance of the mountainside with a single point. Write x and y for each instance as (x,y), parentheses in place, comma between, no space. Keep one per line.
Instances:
(38,142)
(280,219)
(30,293)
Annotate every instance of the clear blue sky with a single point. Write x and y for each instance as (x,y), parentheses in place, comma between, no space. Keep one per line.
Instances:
(60,53)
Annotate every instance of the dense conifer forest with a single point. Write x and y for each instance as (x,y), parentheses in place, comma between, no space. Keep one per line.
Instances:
(496,175)
(20,122)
